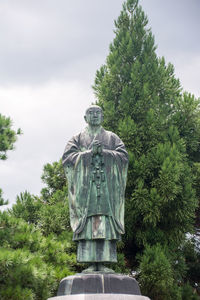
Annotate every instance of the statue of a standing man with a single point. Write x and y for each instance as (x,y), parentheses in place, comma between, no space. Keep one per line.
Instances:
(95,163)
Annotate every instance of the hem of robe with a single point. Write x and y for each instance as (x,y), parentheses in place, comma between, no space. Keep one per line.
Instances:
(98,227)
(97,251)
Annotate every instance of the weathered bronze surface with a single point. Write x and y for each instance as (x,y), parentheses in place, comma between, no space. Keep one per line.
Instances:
(98,284)
(95,163)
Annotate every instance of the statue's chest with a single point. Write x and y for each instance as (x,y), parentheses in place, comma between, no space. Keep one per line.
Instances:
(86,141)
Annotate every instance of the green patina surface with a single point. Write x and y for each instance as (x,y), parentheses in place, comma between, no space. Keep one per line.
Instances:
(95,163)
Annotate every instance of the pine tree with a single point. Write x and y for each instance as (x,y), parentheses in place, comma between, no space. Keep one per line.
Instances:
(2,201)
(138,93)
(8,137)
(50,211)
(36,249)
(140,97)
(32,265)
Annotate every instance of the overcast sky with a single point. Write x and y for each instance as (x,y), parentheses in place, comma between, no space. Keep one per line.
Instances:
(49,53)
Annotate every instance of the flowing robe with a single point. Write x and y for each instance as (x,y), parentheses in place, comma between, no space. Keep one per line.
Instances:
(96,186)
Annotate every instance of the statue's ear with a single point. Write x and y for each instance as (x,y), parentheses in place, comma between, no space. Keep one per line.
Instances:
(85,119)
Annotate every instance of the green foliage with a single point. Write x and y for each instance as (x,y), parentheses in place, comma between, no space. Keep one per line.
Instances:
(54,216)
(188,293)
(164,184)
(50,212)
(142,102)
(156,275)
(27,207)
(54,178)
(196,180)
(36,241)
(2,201)
(22,272)
(49,217)
(32,265)
(187,118)
(54,213)
(192,258)
(8,136)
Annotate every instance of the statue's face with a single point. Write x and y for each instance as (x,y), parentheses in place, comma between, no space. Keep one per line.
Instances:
(94,116)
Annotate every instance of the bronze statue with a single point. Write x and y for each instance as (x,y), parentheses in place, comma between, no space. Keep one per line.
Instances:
(95,163)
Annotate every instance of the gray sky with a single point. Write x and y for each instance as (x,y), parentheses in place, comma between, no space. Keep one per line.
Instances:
(49,53)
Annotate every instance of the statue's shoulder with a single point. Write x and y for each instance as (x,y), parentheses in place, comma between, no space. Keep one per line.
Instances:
(75,138)
(110,134)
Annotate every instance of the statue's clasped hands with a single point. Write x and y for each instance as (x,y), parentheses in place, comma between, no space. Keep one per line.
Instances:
(97,148)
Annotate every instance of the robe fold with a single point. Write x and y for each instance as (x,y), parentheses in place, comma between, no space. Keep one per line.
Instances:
(96,186)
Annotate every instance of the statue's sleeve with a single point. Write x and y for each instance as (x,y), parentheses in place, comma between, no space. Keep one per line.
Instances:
(116,165)
(77,167)
(71,152)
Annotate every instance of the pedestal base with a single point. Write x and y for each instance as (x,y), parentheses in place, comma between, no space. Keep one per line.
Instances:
(100,297)
(96,283)
(99,286)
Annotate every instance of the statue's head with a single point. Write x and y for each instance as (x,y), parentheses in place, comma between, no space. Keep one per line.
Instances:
(94,115)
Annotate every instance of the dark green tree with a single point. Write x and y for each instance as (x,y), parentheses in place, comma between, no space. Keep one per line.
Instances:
(27,207)
(54,214)
(140,95)
(50,211)
(8,137)
(2,201)
(36,241)
(186,117)
(31,265)
(54,179)
(143,103)
(157,275)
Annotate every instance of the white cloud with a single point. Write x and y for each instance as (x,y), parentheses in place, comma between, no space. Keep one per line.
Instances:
(188,70)
(42,40)
(49,115)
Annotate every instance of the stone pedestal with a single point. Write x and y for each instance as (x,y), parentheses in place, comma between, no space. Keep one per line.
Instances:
(98,286)
(100,297)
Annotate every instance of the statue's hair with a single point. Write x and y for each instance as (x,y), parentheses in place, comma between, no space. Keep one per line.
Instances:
(94,105)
